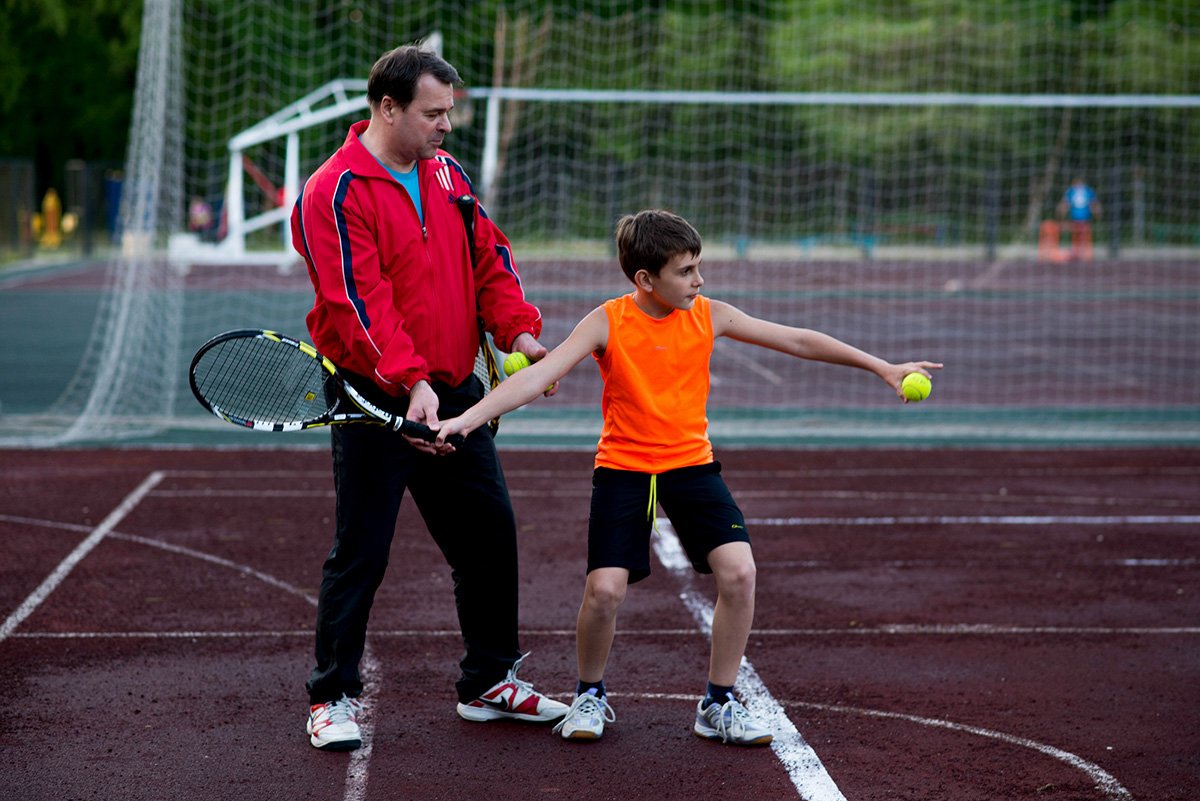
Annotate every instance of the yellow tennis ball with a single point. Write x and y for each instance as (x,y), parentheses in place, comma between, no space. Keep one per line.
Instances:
(514,362)
(915,387)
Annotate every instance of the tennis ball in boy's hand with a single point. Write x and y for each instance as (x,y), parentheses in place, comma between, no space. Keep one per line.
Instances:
(915,387)
(514,362)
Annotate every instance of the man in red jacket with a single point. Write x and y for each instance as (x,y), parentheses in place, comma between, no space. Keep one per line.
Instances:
(397,300)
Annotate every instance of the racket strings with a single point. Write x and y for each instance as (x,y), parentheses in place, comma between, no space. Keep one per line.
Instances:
(264,381)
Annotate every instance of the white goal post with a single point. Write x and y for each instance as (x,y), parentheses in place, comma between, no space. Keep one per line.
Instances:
(347,97)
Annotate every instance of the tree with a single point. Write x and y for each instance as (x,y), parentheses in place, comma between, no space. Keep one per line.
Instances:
(67,73)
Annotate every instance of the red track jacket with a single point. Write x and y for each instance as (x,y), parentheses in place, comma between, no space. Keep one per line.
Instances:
(395,301)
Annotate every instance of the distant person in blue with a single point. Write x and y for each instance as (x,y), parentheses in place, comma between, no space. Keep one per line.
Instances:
(1080,206)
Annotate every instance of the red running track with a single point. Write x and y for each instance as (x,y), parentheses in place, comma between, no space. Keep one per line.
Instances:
(952,625)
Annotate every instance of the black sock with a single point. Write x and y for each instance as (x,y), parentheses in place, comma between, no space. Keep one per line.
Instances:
(596,688)
(717,694)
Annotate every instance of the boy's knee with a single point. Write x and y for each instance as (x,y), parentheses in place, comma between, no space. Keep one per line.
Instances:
(737,579)
(604,593)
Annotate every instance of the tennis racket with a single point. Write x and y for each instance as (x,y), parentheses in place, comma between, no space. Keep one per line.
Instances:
(486,367)
(270,382)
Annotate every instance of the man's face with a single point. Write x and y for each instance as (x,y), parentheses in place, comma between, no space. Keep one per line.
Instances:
(419,130)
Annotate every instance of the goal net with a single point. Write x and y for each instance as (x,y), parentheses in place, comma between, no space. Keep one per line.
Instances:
(889,175)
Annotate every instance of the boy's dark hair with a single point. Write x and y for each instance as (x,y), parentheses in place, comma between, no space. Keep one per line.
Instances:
(397,71)
(649,239)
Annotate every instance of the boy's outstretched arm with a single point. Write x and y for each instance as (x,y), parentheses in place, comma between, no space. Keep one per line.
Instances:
(523,386)
(804,343)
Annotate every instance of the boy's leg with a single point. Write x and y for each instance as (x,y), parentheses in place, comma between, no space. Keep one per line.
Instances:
(733,568)
(594,630)
(597,621)
(720,715)
(712,531)
(618,555)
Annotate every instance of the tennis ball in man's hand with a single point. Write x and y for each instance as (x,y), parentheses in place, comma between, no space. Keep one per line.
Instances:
(915,387)
(514,362)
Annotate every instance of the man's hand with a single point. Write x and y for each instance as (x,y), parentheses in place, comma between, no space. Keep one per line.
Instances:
(422,408)
(536,351)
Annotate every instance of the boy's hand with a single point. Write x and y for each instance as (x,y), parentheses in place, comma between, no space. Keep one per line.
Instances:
(896,372)
(445,429)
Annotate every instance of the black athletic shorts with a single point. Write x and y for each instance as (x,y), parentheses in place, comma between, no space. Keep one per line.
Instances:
(699,505)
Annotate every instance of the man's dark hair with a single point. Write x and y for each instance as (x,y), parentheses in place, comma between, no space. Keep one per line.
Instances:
(649,239)
(397,71)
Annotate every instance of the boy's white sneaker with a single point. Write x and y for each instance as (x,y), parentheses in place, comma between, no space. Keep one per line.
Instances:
(730,723)
(585,719)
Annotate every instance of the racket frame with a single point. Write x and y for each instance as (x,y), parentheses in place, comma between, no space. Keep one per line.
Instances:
(368,411)
(466,209)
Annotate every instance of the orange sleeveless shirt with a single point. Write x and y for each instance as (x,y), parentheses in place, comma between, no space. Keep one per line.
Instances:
(656,382)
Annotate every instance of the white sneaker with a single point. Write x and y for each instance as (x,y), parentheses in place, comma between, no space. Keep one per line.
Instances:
(585,719)
(333,726)
(513,699)
(730,723)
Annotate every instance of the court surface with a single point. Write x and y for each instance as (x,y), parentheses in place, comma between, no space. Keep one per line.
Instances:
(934,624)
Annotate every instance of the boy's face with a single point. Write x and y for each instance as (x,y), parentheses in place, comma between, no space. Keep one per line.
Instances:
(678,283)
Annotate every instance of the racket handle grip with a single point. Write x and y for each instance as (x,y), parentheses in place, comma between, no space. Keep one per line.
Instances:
(422,431)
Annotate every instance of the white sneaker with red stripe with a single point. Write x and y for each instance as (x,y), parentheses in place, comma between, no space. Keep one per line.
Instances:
(513,699)
(333,726)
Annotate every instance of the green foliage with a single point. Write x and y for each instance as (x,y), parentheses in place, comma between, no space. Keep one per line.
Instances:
(67,75)
(67,71)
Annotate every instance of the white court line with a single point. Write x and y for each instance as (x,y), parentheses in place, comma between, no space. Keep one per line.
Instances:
(81,550)
(993,497)
(584,491)
(33,521)
(358,768)
(803,765)
(355,784)
(1023,564)
(985,278)
(1105,782)
(958,472)
(992,520)
(887,630)
(797,756)
(360,760)
(246,570)
(246,493)
(750,363)
(897,630)
(805,472)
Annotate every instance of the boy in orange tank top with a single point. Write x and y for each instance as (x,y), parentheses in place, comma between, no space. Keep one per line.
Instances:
(653,347)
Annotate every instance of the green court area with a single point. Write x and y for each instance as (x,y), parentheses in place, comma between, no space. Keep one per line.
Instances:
(45,334)
(1035,356)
